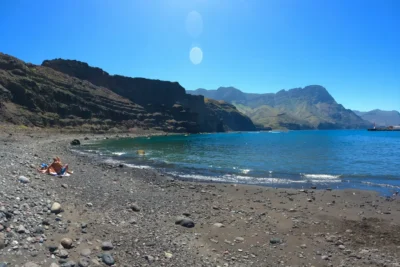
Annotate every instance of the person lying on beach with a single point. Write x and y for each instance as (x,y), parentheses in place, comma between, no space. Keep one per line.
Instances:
(56,168)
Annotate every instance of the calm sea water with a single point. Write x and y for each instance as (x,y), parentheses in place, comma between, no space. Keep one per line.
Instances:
(300,159)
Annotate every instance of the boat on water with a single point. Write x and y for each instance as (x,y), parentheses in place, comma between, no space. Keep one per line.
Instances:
(383,129)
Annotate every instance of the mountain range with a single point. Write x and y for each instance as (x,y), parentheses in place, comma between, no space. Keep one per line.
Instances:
(311,107)
(380,117)
(71,94)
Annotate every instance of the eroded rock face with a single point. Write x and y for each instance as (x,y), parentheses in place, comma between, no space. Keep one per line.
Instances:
(70,93)
(160,97)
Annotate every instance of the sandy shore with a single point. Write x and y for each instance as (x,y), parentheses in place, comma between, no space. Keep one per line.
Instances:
(235,225)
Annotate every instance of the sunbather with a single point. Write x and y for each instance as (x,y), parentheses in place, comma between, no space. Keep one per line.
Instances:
(56,168)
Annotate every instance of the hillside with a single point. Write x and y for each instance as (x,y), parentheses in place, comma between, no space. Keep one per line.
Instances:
(66,93)
(380,117)
(311,107)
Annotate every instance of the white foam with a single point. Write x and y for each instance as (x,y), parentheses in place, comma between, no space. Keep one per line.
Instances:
(320,176)
(326,181)
(381,185)
(138,166)
(245,171)
(79,152)
(119,153)
(238,179)
(112,161)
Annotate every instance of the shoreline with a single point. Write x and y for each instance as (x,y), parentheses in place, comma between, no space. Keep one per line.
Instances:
(235,225)
(276,180)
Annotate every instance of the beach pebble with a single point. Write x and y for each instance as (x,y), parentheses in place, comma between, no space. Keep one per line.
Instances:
(134,207)
(108,259)
(52,248)
(168,255)
(239,239)
(75,142)
(83,262)
(24,179)
(53,264)
(185,222)
(149,258)
(62,253)
(218,225)
(56,207)
(275,241)
(21,229)
(66,242)
(86,252)
(107,245)
(330,238)
(324,257)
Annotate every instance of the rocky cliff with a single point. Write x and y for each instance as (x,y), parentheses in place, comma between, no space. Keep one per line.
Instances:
(156,96)
(71,93)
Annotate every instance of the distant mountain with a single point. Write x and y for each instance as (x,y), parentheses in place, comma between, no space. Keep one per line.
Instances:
(380,117)
(311,107)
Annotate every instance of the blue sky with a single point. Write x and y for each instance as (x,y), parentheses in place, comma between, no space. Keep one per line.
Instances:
(352,47)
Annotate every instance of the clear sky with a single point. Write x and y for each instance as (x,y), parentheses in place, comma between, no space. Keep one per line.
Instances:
(352,47)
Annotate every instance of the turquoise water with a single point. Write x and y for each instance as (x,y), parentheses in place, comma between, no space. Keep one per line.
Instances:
(300,159)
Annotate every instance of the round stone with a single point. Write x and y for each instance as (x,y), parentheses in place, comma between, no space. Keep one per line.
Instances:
(135,207)
(107,245)
(185,222)
(21,229)
(84,262)
(86,252)
(66,242)
(108,259)
(56,207)
(63,254)
(23,179)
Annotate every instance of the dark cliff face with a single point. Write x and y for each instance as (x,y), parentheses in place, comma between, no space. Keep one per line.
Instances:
(232,119)
(70,93)
(139,90)
(40,96)
(158,96)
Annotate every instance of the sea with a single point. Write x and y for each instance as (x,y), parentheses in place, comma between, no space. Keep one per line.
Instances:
(336,159)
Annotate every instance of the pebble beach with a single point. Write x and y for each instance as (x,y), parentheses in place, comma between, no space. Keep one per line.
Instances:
(112,215)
